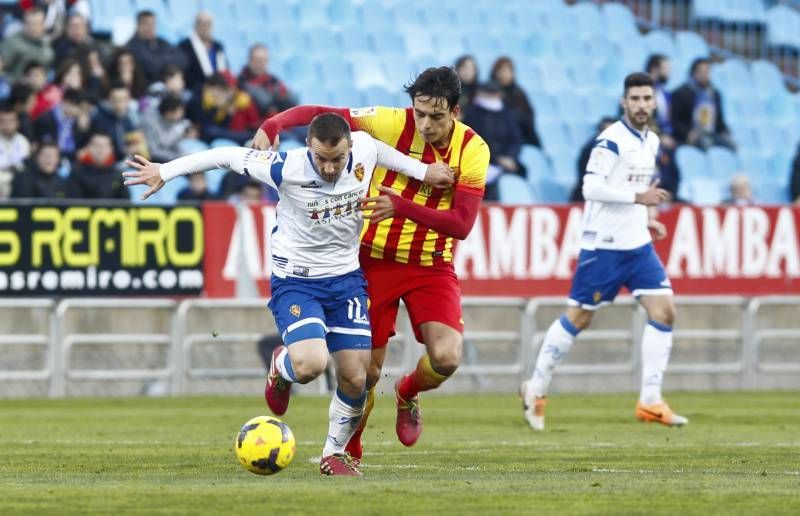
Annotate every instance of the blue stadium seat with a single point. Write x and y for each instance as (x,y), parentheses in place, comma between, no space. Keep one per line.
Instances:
(534,161)
(782,26)
(341,14)
(223,9)
(587,19)
(768,192)
(620,24)
(767,77)
(691,46)
(377,96)
(550,191)
(323,40)
(159,8)
(223,142)
(691,162)
(301,70)
(335,69)
(537,45)
(555,76)
(449,47)
(388,42)
(704,191)
(184,11)
(553,136)
(660,42)
(723,163)
(513,189)
(310,15)
(167,195)
(634,56)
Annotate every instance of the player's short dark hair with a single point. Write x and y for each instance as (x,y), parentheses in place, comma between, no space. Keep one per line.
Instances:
(441,82)
(329,128)
(146,13)
(169,103)
(654,61)
(638,79)
(696,63)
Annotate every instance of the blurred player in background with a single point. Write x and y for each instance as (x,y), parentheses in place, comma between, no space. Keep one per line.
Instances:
(319,297)
(407,249)
(617,250)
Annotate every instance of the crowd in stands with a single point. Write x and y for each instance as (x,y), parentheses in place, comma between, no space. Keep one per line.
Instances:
(73,108)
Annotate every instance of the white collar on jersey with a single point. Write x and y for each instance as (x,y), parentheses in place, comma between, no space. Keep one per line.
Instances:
(349,167)
(640,135)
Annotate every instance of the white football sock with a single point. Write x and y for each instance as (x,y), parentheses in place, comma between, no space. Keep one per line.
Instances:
(557,342)
(656,347)
(284,365)
(344,416)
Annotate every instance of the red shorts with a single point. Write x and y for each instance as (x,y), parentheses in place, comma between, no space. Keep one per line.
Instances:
(429,293)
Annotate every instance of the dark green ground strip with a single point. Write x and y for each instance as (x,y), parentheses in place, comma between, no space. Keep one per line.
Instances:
(740,455)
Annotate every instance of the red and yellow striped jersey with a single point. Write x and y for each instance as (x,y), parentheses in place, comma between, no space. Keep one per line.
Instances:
(401,239)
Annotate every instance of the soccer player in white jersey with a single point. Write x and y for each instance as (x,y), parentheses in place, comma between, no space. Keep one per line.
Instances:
(319,298)
(616,251)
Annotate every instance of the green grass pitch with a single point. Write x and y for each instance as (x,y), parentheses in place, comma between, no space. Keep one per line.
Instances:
(739,455)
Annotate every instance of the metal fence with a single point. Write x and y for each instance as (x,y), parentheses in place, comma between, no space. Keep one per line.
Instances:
(157,341)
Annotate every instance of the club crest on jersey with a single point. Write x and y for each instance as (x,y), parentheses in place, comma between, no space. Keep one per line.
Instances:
(597,296)
(359,171)
(295,310)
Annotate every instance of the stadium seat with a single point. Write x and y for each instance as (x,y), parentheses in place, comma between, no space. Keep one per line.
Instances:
(587,20)
(377,96)
(550,191)
(158,7)
(782,26)
(691,162)
(310,15)
(323,41)
(341,14)
(620,24)
(767,77)
(167,195)
(723,163)
(534,161)
(184,11)
(513,189)
(660,42)
(301,71)
(691,46)
(223,142)
(704,191)
(553,136)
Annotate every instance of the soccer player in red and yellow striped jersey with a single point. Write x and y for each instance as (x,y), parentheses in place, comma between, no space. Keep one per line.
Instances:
(407,247)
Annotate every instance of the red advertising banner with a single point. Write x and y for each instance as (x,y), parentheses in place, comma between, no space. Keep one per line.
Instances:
(530,251)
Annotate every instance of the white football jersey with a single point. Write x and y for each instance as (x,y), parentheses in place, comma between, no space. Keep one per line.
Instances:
(626,159)
(318,226)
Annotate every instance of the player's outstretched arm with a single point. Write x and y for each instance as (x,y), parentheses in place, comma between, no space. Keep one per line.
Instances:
(238,159)
(455,222)
(438,175)
(266,137)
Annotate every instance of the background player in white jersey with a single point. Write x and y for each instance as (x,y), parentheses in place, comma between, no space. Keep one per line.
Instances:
(617,251)
(319,298)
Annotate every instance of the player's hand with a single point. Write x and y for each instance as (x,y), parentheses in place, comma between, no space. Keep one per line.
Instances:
(146,173)
(653,196)
(261,141)
(439,175)
(657,229)
(380,207)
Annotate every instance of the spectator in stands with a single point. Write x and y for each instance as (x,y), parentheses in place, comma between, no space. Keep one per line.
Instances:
(117,116)
(68,123)
(197,189)
(205,55)
(68,76)
(223,111)
(515,99)
(741,191)
(171,83)
(29,45)
(14,148)
(794,181)
(35,76)
(583,158)
(5,86)
(94,73)
(467,70)
(40,179)
(659,67)
(164,128)
(22,98)
(269,93)
(150,51)
(697,117)
(499,127)
(76,39)
(251,192)
(95,174)
(125,69)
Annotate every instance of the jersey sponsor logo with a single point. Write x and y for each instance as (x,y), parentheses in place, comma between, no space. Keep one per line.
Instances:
(312,184)
(359,171)
(295,310)
(362,111)
(300,271)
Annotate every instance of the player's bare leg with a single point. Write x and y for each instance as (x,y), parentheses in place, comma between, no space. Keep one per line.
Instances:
(345,412)
(300,362)
(656,348)
(557,343)
(444,345)
(354,446)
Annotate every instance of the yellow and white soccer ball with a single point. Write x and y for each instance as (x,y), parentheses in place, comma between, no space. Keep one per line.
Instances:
(265,445)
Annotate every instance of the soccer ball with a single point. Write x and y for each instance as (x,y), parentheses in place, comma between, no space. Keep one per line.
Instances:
(265,445)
